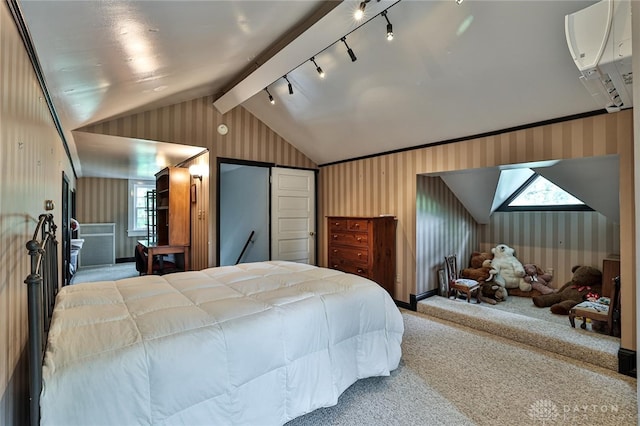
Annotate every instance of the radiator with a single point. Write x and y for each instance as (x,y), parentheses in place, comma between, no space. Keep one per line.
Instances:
(99,246)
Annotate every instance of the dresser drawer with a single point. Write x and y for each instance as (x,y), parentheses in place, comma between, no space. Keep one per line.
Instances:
(355,239)
(358,225)
(360,255)
(338,224)
(350,268)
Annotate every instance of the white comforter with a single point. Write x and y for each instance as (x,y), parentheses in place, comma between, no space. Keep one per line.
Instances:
(254,344)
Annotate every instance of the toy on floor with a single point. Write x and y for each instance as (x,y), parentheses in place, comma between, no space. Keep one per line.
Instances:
(536,279)
(585,279)
(492,293)
(507,271)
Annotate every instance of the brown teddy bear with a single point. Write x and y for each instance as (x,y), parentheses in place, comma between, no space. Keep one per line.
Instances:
(492,293)
(585,279)
(537,279)
(479,267)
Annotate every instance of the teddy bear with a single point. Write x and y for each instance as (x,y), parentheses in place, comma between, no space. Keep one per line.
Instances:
(536,279)
(585,279)
(479,267)
(492,293)
(506,271)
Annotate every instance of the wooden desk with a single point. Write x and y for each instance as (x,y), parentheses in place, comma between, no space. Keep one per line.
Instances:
(154,249)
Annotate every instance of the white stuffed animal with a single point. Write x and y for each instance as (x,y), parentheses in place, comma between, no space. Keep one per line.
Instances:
(506,271)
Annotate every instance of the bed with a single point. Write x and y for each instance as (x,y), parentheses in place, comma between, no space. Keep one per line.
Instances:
(257,343)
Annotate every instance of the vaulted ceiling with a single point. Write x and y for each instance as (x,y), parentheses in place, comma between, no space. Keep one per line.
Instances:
(451,71)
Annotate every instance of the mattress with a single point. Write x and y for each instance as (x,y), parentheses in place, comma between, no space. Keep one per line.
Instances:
(257,343)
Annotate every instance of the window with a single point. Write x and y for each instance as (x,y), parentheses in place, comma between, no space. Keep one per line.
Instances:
(539,194)
(138,207)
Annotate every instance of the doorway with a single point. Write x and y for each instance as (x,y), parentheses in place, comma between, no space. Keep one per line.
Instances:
(265,213)
(66,231)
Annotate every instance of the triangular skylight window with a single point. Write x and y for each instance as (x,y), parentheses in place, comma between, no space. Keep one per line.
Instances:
(540,192)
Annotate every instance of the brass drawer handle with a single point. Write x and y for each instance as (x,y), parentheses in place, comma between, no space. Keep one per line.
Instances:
(335,250)
(359,254)
(335,236)
(360,270)
(359,239)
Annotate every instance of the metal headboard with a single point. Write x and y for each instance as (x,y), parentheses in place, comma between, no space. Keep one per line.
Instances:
(42,284)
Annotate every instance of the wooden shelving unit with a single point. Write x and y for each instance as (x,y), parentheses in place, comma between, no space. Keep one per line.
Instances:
(173,218)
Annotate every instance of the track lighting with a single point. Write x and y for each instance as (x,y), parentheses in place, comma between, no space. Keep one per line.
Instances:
(349,51)
(320,72)
(389,26)
(270,97)
(359,13)
(352,55)
(289,84)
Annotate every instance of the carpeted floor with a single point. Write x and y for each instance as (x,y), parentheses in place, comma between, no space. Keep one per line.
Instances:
(525,306)
(561,338)
(102,273)
(453,375)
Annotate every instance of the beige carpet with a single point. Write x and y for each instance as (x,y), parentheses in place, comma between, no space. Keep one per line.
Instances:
(107,272)
(525,306)
(555,336)
(454,375)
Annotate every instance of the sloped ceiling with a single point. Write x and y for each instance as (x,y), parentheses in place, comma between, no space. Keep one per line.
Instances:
(594,180)
(451,71)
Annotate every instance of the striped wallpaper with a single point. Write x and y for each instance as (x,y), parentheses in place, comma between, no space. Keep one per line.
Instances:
(552,240)
(388,184)
(101,200)
(194,123)
(200,216)
(443,227)
(32,159)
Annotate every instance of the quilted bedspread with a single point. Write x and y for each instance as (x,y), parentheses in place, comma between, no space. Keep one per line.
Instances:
(257,344)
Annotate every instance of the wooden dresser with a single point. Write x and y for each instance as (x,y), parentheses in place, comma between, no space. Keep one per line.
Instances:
(364,246)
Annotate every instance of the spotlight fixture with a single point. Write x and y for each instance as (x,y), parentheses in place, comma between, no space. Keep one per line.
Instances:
(349,51)
(389,26)
(320,72)
(459,1)
(359,13)
(289,84)
(266,89)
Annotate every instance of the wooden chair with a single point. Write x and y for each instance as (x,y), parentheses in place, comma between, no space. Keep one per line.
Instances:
(459,285)
(609,314)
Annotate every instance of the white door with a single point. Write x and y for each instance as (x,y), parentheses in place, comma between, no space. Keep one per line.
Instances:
(293,218)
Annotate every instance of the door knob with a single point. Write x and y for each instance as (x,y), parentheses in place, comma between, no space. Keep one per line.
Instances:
(312,233)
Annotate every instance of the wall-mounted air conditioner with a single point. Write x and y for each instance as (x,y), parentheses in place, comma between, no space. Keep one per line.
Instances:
(599,39)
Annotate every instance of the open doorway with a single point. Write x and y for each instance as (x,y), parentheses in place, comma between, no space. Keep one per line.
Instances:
(243,221)
(265,213)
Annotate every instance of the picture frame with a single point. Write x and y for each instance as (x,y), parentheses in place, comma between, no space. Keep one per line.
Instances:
(442,281)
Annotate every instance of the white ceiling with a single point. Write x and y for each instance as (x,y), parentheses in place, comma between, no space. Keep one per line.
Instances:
(435,81)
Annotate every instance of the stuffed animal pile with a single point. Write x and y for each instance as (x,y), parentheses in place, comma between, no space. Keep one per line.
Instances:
(479,267)
(480,270)
(585,280)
